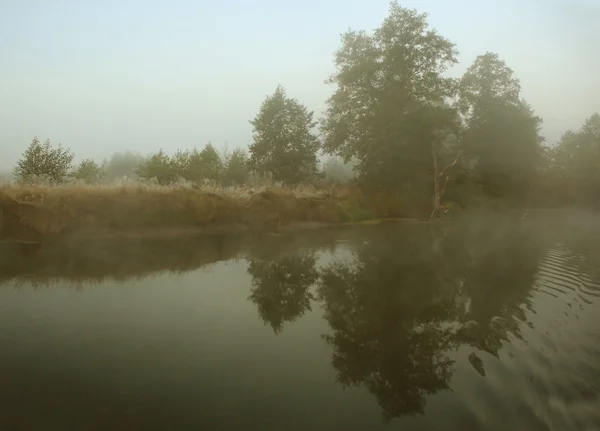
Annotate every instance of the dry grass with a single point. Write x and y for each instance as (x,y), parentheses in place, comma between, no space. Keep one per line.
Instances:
(38,211)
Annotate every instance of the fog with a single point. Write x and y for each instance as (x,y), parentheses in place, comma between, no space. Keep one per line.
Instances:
(107,76)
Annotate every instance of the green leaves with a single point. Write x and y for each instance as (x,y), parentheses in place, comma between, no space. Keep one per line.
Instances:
(192,166)
(158,166)
(44,162)
(284,144)
(386,83)
(89,172)
(236,171)
(502,133)
(576,160)
(488,81)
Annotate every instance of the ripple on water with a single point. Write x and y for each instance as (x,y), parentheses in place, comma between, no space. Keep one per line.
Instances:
(549,377)
(562,354)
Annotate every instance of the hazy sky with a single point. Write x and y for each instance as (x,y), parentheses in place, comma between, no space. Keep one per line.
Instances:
(104,76)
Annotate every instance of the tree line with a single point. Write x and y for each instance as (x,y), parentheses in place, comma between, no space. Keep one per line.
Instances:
(403,125)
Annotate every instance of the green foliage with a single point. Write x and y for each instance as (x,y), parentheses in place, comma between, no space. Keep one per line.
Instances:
(502,133)
(210,162)
(236,171)
(284,144)
(192,166)
(201,165)
(180,162)
(389,101)
(158,166)
(89,172)
(576,161)
(44,162)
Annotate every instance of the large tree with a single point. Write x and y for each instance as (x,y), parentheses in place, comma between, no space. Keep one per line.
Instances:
(389,109)
(502,133)
(284,145)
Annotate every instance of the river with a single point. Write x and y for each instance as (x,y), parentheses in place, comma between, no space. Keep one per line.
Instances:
(484,323)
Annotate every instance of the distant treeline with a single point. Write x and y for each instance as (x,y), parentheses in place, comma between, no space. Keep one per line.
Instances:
(405,127)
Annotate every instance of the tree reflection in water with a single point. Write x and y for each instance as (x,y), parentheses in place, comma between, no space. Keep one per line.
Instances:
(389,308)
(404,299)
(281,287)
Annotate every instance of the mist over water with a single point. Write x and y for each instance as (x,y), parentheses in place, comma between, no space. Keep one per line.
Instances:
(489,322)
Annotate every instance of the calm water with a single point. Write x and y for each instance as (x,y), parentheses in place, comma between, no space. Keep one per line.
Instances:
(486,323)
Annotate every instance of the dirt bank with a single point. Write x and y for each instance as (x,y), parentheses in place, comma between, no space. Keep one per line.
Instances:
(43,213)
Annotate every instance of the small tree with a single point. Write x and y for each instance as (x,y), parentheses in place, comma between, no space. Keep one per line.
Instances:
(42,161)
(158,166)
(212,166)
(236,170)
(284,143)
(204,165)
(181,163)
(89,172)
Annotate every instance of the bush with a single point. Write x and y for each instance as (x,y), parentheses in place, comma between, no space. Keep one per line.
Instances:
(43,162)
(89,172)
(158,166)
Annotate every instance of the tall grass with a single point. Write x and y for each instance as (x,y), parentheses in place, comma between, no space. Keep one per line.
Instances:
(39,210)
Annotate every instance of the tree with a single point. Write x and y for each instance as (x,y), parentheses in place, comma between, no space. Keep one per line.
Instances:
(577,161)
(88,171)
(502,133)
(211,163)
(204,165)
(158,166)
(390,90)
(236,171)
(180,162)
(284,143)
(42,161)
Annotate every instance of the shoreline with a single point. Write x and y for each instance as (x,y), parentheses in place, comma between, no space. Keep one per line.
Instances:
(40,214)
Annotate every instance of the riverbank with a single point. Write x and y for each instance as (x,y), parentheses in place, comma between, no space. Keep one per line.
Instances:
(33,214)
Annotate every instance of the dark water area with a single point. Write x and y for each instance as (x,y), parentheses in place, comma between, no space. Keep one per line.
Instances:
(487,322)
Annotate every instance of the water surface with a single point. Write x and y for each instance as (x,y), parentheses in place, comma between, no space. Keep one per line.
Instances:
(483,323)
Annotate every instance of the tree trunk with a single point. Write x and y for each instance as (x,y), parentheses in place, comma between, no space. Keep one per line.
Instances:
(438,191)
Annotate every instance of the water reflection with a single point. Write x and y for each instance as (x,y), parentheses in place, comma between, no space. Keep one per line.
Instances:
(280,287)
(497,282)
(405,309)
(389,308)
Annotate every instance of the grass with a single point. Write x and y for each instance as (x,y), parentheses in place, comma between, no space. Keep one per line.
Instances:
(38,212)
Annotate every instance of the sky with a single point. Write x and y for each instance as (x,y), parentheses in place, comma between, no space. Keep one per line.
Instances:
(106,76)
